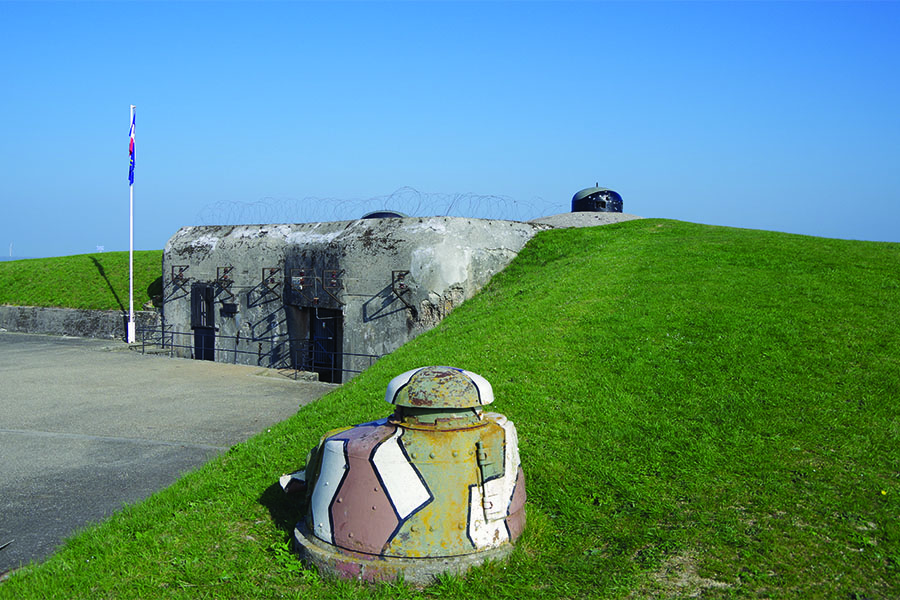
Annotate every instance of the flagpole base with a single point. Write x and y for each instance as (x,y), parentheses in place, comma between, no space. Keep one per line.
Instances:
(129,337)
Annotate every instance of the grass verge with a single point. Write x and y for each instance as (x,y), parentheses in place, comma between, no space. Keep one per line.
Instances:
(92,281)
(701,411)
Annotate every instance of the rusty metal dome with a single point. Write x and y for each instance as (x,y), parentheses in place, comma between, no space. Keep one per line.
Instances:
(439,387)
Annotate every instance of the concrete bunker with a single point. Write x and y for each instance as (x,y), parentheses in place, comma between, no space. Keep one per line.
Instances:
(329,298)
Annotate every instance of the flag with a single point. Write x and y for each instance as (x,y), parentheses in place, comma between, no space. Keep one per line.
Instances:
(131,149)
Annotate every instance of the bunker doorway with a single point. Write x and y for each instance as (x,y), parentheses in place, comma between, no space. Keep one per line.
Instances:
(325,337)
(203,321)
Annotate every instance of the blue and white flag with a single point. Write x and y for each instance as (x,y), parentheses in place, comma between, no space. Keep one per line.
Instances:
(131,149)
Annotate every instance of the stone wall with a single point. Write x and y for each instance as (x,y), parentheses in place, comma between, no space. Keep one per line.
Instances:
(72,321)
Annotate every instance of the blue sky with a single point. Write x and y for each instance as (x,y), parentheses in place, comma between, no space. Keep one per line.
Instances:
(780,116)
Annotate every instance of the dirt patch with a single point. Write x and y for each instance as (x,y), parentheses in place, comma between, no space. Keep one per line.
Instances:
(677,576)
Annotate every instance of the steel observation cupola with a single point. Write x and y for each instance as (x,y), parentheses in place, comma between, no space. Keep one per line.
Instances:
(597,199)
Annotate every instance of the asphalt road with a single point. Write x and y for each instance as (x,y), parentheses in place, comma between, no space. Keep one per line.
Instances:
(88,425)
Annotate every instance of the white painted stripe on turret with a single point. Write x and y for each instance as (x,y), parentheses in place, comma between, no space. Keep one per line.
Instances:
(334,465)
(485,390)
(483,533)
(489,504)
(499,492)
(397,383)
(401,480)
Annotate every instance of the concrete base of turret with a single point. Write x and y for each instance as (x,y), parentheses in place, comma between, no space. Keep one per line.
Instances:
(344,564)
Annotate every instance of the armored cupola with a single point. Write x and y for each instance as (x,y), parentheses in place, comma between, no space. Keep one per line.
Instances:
(384,214)
(438,398)
(439,387)
(436,487)
(597,199)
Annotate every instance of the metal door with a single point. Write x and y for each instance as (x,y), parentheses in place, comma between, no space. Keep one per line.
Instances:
(203,321)
(325,341)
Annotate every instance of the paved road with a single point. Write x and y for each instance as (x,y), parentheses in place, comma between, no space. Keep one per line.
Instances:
(87,425)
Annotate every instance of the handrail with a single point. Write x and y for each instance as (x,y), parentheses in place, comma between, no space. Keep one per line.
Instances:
(299,354)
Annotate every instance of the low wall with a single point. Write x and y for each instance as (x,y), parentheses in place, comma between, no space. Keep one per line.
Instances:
(72,321)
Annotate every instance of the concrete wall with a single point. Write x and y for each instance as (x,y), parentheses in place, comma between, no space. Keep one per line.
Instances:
(72,321)
(273,287)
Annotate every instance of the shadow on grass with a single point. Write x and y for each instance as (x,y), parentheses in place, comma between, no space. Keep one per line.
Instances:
(106,279)
(286,510)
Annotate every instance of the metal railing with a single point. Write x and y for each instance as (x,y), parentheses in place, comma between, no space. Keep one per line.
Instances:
(273,352)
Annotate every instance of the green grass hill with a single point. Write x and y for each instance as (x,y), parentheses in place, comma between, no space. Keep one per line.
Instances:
(94,281)
(702,412)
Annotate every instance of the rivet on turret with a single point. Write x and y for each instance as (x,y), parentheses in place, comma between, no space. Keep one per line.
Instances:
(431,455)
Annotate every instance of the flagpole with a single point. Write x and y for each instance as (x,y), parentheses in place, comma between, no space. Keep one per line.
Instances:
(130,334)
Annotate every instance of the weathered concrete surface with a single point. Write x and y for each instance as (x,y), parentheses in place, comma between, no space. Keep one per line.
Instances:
(283,277)
(584,219)
(86,425)
(108,324)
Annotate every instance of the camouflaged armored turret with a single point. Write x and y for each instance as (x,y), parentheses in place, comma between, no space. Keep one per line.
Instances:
(437,486)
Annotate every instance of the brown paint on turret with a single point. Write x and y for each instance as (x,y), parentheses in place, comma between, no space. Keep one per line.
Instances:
(515,522)
(363,530)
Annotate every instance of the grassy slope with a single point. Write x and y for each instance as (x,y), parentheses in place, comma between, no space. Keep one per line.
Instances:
(700,409)
(95,281)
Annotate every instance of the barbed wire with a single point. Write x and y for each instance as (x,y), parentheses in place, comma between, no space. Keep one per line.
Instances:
(406,200)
